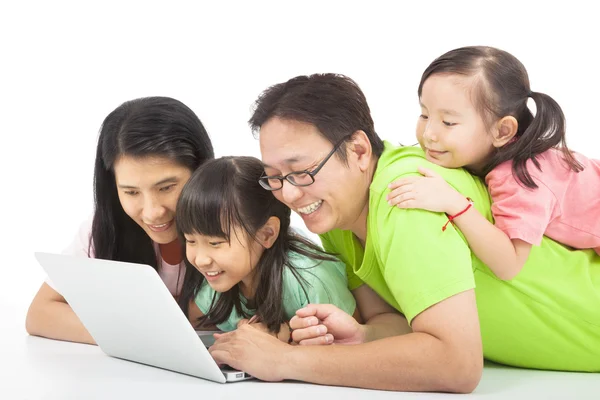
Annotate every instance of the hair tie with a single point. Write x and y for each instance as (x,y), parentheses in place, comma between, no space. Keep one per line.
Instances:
(530,94)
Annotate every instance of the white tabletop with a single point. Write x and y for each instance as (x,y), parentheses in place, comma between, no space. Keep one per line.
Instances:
(37,368)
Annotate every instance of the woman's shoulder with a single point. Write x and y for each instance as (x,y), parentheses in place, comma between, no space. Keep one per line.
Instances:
(82,245)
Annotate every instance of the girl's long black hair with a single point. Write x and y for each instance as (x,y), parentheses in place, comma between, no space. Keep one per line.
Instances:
(224,194)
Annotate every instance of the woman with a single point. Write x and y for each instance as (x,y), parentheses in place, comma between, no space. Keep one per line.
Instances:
(146,152)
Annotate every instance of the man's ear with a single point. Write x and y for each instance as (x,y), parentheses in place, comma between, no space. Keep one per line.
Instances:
(268,234)
(505,131)
(360,149)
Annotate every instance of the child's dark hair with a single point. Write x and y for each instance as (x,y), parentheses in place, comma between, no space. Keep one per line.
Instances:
(223,194)
(502,89)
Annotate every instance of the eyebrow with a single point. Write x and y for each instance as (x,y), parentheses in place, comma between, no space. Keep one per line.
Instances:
(451,112)
(290,160)
(171,179)
(445,111)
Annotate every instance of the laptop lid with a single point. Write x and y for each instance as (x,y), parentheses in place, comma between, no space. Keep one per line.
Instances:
(130,313)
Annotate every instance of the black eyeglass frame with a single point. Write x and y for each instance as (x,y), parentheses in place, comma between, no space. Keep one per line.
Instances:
(263,180)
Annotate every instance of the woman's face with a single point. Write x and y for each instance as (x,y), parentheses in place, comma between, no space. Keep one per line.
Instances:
(148,189)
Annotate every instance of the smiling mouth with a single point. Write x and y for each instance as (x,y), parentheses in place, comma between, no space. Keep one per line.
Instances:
(160,227)
(311,208)
(436,151)
(211,276)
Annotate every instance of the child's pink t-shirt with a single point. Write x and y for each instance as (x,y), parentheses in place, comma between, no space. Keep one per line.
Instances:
(565,206)
(172,275)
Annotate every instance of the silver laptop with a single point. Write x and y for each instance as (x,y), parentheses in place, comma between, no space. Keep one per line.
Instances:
(131,315)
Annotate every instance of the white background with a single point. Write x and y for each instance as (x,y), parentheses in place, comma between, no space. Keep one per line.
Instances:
(65,66)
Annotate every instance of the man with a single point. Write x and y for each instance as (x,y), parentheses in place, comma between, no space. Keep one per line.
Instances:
(324,160)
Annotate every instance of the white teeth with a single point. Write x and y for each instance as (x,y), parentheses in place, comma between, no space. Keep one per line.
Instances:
(213,273)
(311,208)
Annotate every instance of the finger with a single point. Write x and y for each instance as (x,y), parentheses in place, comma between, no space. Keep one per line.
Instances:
(298,323)
(221,356)
(428,172)
(223,337)
(407,204)
(308,333)
(401,200)
(318,341)
(401,182)
(321,311)
(409,188)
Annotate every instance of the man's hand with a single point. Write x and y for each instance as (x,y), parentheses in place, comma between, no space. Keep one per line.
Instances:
(318,324)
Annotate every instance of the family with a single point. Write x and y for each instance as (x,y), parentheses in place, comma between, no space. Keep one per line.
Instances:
(481,243)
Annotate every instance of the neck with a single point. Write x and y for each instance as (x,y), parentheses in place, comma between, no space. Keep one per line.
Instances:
(359,226)
(248,285)
(171,252)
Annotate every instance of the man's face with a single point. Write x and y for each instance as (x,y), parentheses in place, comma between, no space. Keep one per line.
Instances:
(336,199)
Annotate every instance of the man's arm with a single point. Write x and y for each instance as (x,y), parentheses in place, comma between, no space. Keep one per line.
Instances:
(381,319)
(444,353)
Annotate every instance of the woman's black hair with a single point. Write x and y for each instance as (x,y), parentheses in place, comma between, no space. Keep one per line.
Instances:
(152,126)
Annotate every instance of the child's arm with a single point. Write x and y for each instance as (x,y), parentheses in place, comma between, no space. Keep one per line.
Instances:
(505,257)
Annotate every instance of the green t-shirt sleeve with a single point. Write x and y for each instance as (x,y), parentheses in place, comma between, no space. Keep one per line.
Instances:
(340,249)
(423,265)
(324,282)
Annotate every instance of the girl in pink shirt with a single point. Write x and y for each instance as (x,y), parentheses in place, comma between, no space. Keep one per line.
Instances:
(147,150)
(474,114)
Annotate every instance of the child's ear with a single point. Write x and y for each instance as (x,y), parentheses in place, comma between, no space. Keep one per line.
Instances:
(268,234)
(506,129)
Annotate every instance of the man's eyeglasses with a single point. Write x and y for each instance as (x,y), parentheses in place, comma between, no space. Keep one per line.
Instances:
(297,178)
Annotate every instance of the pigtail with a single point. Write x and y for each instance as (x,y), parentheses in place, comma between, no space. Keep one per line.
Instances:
(504,91)
(545,131)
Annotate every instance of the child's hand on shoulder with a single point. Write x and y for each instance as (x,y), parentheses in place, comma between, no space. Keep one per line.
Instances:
(427,192)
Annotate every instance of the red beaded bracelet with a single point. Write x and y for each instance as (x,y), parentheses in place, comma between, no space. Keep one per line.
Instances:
(452,217)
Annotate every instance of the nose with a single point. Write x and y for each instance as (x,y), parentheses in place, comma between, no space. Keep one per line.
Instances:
(290,193)
(153,211)
(429,133)
(199,259)
(202,261)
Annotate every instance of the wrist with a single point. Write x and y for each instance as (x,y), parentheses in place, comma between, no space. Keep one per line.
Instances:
(292,357)
(460,204)
(455,215)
